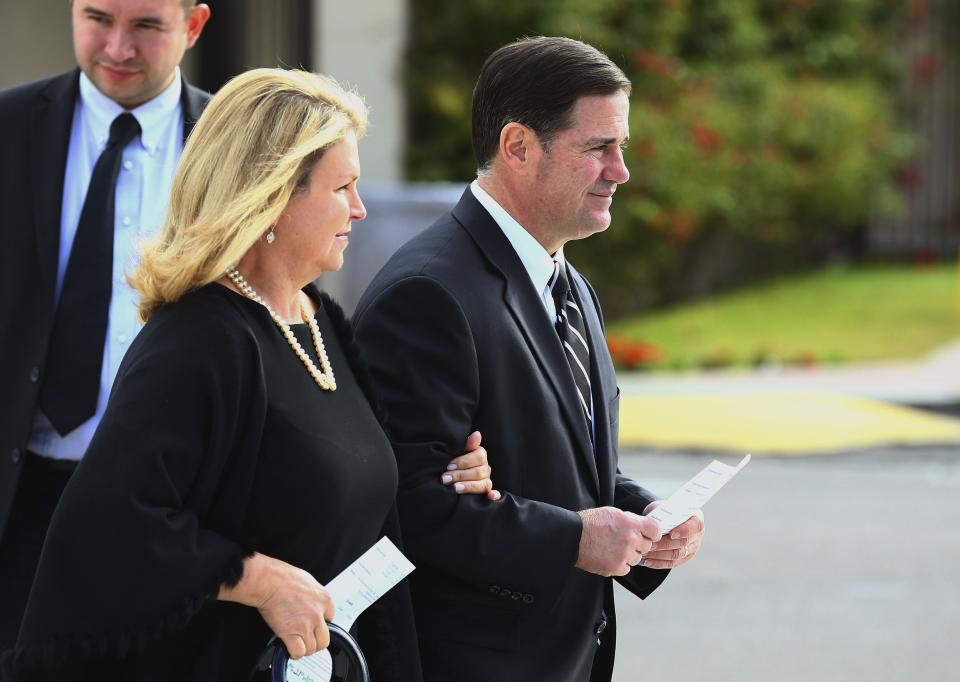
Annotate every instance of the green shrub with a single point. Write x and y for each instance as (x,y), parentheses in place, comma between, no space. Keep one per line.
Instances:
(763,133)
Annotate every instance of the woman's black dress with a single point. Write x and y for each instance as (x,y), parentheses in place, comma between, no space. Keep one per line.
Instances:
(216,443)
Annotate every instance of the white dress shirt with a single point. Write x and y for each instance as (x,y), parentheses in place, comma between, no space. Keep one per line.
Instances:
(536,260)
(143,190)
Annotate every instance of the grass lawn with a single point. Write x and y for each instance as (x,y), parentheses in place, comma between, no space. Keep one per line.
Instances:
(835,315)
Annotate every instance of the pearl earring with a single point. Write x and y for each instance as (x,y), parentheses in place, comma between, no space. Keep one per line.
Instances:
(271,237)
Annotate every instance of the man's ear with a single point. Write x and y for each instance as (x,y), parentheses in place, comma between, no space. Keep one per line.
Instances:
(518,146)
(199,15)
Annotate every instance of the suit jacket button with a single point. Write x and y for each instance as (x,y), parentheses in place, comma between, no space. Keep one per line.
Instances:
(528,599)
(34,375)
(494,589)
(16,455)
(516,595)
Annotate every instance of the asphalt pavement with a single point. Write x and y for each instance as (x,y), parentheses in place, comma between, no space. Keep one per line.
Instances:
(831,569)
(833,555)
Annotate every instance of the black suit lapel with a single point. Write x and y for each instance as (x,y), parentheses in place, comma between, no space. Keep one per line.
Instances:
(192,101)
(51,121)
(527,309)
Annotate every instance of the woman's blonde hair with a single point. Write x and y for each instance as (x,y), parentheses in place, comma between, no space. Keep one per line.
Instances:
(251,150)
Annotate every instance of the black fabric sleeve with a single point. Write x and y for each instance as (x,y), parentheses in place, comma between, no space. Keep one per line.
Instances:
(418,344)
(630,496)
(148,527)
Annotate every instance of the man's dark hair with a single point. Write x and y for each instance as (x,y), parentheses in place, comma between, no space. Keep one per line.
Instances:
(537,82)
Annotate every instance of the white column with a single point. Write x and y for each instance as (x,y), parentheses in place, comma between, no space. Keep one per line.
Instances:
(36,40)
(361,43)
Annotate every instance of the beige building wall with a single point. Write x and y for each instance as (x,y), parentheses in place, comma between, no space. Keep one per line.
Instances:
(35,40)
(363,47)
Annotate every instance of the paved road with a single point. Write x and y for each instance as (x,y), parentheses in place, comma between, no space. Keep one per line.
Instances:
(831,568)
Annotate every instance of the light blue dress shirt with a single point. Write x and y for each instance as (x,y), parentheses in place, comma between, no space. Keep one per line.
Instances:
(143,190)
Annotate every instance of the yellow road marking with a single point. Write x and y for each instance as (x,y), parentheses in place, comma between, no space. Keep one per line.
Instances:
(787,424)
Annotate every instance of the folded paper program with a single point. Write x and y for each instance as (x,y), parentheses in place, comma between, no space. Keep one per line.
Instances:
(693,494)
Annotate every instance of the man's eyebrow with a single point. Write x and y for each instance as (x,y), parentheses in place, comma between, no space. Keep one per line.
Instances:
(93,11)
(604,141)
(151,20)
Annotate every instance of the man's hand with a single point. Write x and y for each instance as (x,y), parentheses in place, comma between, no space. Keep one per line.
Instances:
(679,546)
(613,541)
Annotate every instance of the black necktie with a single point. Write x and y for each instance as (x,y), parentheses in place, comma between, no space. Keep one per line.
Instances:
(71,384)
(573,334)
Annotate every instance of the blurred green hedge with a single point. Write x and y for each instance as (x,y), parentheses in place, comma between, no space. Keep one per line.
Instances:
(764,133)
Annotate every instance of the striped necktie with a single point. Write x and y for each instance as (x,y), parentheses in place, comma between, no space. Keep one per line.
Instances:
(573,335)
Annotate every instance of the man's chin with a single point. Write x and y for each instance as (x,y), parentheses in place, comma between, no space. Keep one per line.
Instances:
(594,225)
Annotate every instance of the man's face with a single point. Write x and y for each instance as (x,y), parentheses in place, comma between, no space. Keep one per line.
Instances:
(575,180)
(130,48)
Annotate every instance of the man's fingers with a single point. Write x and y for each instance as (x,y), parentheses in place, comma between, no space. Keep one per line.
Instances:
(671,558)
(689,528)
(668,543)
(650,528)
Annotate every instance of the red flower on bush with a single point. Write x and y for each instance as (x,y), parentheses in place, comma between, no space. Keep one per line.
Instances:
(926,68)
(645,149)
(909,178)
(705,138)
(651,62)
(804,358)
(919,10)
(632,355)
(679,224)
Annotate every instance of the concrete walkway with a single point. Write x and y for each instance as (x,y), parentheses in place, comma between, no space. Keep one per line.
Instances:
(791,411)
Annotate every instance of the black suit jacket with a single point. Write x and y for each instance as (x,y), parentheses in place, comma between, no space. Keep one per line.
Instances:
(35,119)
(458,340)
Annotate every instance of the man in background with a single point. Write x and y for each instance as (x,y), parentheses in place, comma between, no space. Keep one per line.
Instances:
(85,172)
(480,323)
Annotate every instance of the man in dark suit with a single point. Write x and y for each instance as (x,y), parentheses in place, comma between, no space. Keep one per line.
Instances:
(55,239)
(479,323)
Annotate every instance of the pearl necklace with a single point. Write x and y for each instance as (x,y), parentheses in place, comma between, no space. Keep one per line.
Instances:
(325,379)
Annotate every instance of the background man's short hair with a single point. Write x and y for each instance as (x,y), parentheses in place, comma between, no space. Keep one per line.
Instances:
(536,82)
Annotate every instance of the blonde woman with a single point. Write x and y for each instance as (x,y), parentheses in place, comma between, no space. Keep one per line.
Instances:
(239,465)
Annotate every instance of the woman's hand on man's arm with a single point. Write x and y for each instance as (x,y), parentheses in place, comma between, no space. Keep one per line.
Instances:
(469,473)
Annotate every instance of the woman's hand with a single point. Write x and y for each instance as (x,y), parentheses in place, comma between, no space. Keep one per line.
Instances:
(292,603)
(469,473)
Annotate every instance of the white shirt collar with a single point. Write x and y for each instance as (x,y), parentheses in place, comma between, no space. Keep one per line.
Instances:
(537,262)
(151,115)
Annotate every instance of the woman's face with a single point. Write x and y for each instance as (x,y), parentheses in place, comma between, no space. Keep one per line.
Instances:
(314,228)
